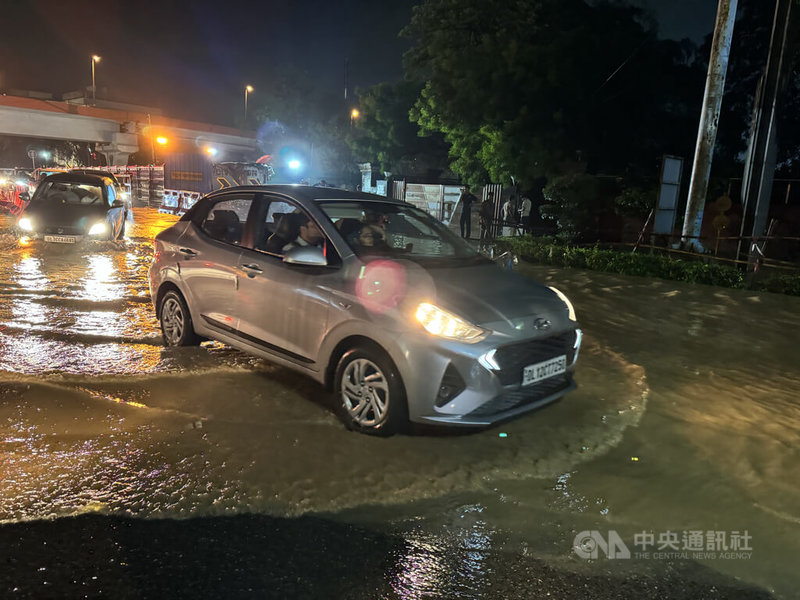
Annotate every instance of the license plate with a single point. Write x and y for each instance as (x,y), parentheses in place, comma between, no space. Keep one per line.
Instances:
(544,370)
(62,239)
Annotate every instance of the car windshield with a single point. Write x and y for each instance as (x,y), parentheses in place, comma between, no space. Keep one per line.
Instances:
(386,229)
(68,192)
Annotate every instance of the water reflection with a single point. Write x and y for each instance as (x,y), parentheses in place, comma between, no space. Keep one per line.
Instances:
(451,564)
(101,282)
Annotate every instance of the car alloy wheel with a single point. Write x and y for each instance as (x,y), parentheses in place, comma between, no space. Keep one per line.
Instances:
(176,323)
(365,393)
(370,393)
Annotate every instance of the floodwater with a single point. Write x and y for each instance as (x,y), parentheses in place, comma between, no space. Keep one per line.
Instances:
(686,420)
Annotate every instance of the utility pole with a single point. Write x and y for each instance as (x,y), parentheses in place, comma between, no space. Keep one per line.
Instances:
(762,150)
(709,119)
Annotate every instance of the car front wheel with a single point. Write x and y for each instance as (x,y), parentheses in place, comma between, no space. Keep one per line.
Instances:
(369,392)
(176,322)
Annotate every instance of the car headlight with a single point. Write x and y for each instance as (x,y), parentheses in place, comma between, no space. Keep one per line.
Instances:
(97,229)
(444,324)
(571,308)
(25,224)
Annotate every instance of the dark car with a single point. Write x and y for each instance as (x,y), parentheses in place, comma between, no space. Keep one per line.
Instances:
(69,207)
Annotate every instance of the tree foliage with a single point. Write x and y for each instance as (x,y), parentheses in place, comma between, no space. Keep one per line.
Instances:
(533,88)
(384,135)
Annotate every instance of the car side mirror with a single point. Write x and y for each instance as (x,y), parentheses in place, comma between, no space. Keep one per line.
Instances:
(25,196)
(306,255)
(118,203)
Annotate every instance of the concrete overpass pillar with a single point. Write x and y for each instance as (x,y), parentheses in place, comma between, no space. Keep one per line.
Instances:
(121,146)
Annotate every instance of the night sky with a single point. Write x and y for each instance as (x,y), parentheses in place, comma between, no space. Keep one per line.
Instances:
(194,59)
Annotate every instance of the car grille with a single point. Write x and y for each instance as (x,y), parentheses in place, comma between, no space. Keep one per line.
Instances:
(523,396)
(61,230)
(512,359)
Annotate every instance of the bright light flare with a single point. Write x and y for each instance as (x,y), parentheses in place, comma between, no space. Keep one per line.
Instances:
(97,229)
(294,164)
(95,58)
(381,285)
(25,224)
(161,140)
(211,151)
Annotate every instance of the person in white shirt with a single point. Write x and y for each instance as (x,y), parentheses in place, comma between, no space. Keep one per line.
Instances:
(507,214)
(309,235)
(525,214)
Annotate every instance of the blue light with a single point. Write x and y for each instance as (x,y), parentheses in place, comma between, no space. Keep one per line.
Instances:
(294,164)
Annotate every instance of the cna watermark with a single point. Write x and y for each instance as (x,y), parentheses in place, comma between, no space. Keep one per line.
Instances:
(693,544)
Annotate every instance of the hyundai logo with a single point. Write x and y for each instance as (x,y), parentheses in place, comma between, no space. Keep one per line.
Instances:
(541,324)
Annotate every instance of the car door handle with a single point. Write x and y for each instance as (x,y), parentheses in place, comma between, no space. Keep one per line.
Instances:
(254,268)
(187,251)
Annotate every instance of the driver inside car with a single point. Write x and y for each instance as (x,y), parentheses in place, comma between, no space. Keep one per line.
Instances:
(309,235)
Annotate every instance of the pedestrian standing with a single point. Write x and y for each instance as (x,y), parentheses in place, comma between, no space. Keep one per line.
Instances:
(466,199)
(487,215)
(507,213)
(525,214)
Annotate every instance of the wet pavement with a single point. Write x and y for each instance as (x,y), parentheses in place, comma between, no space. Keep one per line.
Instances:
(116,450)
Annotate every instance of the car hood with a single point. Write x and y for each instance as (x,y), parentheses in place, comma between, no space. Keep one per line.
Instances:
(496,298)
(68,216)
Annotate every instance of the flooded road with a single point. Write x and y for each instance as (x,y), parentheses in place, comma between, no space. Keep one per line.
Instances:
(686,419)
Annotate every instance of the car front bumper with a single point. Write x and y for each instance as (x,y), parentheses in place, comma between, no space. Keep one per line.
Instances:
(454,384)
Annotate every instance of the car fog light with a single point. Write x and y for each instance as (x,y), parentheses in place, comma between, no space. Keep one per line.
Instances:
(97,229)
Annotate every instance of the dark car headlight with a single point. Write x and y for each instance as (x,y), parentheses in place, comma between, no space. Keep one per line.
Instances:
(98,229)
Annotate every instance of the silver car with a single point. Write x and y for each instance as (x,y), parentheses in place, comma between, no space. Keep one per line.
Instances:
(371,297)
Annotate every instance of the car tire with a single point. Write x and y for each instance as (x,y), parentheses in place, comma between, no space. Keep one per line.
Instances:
(370,396)
(176,321)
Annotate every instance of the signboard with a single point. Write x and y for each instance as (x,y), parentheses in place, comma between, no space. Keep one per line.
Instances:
(667,206)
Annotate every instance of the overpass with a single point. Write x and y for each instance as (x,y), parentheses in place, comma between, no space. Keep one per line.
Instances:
(115,133)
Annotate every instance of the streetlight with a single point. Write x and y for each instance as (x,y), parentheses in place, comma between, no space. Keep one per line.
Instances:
(95,59)
(354,114)
(248,89)
(161,140)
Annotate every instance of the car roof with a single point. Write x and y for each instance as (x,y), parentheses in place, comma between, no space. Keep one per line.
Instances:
(100,172)
(306,193)
(76,178)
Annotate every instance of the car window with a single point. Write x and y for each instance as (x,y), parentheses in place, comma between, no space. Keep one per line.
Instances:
(225,221)
(378,228)
(111,195)
(286,225)
(68,192)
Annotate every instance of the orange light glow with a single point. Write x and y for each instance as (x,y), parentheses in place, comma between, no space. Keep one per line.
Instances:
(161,140)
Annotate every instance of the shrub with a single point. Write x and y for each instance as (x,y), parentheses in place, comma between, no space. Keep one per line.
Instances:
(549,251)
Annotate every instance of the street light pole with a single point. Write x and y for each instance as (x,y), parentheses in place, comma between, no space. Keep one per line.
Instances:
(247,90)
(95,59)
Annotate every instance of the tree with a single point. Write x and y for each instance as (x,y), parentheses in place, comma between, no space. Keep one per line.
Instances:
(534,88)
(384,133)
